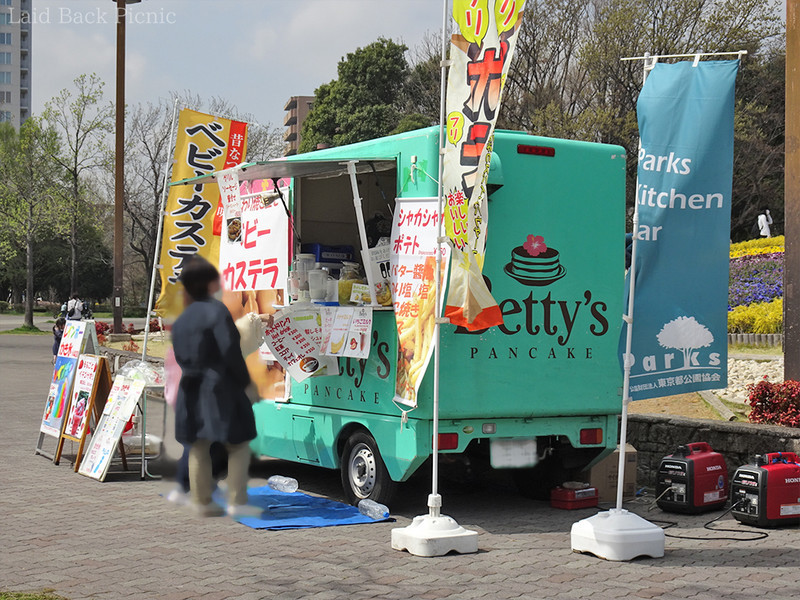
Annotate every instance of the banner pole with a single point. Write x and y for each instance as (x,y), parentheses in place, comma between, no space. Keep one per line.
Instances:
(435,500)
(618,534)
(435,534)
(156,249)
(648,65)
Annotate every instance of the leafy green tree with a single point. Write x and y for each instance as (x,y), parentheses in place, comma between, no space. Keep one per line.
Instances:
(95,269)
(83,119)
(12,264)
(30,191)
(361,103)
(420,95)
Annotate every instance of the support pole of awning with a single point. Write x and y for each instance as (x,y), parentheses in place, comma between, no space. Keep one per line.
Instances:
(362,231)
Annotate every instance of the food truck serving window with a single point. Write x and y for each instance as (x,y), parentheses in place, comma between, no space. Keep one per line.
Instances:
(335,200)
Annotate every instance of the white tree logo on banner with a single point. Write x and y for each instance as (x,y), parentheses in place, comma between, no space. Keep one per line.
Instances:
(685,334)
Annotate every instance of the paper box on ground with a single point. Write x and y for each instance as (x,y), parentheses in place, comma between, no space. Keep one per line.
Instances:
(603,475)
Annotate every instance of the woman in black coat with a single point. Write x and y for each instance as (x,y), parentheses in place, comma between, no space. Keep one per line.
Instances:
(212,405)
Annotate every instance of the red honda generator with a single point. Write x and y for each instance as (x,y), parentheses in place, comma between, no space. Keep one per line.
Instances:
(692,480)
(767,494)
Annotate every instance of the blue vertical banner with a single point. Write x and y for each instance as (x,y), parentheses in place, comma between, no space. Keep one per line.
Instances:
(683,197)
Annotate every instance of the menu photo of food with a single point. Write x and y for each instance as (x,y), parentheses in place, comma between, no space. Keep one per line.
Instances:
(416,329)
(234,227)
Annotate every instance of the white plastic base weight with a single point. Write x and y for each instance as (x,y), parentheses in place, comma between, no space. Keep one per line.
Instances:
(434,536)
(617,535)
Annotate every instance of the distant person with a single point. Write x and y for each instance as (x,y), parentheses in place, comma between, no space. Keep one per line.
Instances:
(74,308)
(58,333)
(764,221)
(212,404)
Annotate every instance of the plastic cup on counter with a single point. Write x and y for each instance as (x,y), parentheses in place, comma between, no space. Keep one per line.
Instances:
(317,284)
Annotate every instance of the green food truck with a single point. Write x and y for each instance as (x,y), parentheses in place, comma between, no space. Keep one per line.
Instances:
(543,387)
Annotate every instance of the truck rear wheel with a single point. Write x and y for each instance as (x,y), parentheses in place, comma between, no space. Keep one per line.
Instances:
(363,473)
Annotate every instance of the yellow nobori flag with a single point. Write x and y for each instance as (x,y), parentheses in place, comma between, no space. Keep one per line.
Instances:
(480,54)
(192,218)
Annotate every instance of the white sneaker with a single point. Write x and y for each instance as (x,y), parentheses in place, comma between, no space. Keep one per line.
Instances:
(238,511)
(212,509)
(178,497)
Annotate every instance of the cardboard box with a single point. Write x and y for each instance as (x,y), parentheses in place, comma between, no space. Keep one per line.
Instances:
(603,475)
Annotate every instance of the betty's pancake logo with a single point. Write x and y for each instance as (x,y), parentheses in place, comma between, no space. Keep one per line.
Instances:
(534,263)
(549,317)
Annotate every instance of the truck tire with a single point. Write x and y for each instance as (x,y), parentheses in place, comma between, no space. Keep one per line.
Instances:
(363,473)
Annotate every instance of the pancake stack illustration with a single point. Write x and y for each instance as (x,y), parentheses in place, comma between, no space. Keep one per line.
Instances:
(534,263)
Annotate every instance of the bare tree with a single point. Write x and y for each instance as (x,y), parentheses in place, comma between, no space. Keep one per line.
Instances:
(83,119)
(147,166)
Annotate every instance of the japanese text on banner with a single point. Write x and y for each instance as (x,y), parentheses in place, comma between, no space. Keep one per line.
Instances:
(193,217)
(254,249)
(82,390)
(73,341)
(481,54)
(412,282)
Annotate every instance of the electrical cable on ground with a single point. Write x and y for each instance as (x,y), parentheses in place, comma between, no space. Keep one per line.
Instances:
(752,535)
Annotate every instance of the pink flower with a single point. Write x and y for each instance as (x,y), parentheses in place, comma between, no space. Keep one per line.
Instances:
(535,245)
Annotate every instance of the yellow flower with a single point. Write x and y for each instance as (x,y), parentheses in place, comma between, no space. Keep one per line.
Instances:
(762,317)
(758,246)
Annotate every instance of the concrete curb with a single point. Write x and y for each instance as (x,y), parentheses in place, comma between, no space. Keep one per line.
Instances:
(717,405)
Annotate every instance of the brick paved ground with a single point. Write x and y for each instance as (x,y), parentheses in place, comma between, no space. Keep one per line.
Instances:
(120,539)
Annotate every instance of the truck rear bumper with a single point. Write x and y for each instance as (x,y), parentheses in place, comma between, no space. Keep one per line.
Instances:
(315,435)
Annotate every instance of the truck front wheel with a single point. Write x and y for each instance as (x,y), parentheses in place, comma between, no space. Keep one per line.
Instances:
(363,473)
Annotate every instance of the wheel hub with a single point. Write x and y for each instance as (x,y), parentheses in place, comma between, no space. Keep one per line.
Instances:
(363,470)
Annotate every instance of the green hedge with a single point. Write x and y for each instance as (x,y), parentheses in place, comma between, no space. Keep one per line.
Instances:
(130,312)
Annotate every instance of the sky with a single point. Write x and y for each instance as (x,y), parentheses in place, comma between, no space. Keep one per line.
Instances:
(254,53)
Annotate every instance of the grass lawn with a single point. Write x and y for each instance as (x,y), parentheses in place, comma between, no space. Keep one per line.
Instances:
(740,410)
(43,595)
(765,350)
(25,331)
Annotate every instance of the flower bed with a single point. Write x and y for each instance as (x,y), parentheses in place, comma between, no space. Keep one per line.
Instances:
(755,278)
(755,292)
(764,317)
(758,246)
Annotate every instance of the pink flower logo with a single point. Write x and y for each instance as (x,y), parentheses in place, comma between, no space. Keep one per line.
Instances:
(535,245)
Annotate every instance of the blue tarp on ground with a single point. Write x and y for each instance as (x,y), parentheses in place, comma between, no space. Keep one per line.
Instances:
(296,510)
